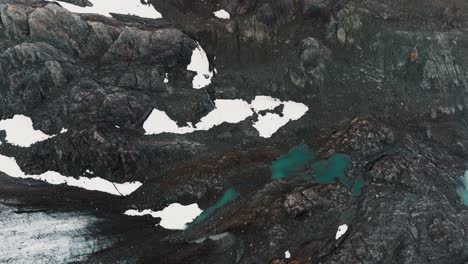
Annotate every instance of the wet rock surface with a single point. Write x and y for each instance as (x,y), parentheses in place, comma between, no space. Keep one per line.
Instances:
(386,84)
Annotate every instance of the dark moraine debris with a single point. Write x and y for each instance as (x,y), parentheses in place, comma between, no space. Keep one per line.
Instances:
(381,150)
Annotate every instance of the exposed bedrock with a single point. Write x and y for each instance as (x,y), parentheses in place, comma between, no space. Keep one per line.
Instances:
(385,83)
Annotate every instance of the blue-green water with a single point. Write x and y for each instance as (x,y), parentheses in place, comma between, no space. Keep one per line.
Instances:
(358,184)
(328,171)
(323,171)
(412,197)
(463,190)
(229,195)
(292,162)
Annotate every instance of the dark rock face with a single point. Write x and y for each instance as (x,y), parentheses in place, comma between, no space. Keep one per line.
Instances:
(386,83)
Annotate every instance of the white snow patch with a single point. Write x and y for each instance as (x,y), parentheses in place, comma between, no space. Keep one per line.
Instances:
(269,123)
(223,14)
(262,102)
(199,63)
(166,79)
(226,110)
(293,110)
(105,7)
(9,166)
(175,216)
(20,131)
(231,111)
(287,254)
(341,231)
(64,130)
(159,122)
(89,171)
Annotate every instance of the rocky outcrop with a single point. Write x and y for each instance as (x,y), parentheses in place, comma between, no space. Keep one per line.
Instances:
(386,88)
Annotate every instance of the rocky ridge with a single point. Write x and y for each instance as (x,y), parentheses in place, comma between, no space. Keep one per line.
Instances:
(385,83)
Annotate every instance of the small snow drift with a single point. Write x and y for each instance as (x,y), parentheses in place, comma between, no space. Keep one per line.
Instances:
(199,63)
(226,110)
(9,166)
(159,122)
(231,111)
(20,131)
(269,123)
(341,231)
(105,7)
(175,216)
(261,103)
(223,14)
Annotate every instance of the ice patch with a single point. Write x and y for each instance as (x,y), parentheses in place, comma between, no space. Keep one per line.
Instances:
(226,110)
(223,14)
(341,231)
(231,111)
(269,123)
(50,237)
(213,237)
(175,216)
(20,131)
(159,122)
(262,102)
(199,63)
(293,110)
(105,7)
(9,166)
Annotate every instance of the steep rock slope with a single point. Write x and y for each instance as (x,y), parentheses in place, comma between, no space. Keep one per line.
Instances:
(385,83)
